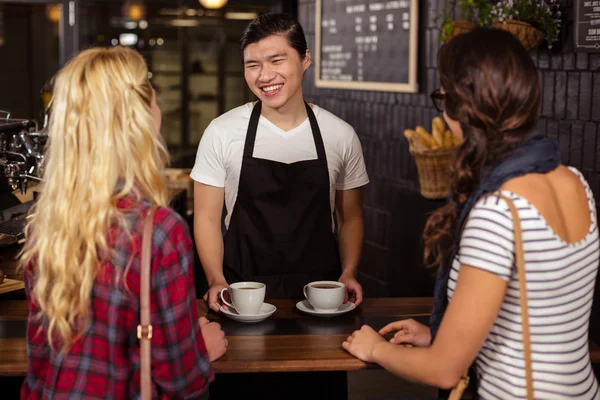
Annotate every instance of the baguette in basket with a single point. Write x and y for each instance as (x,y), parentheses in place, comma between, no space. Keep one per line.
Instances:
(434,154)
(420,140)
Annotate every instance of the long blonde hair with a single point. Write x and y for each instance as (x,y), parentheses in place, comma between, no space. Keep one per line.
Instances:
(103,146)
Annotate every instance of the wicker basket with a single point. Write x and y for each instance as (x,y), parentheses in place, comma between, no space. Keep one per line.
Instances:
(529,36)
(459,27)
(435,168)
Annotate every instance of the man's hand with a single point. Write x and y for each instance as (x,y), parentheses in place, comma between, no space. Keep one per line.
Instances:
(212,297)
(354,291)
(214,338)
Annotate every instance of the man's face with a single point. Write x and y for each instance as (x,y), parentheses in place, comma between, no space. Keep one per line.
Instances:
(274,70)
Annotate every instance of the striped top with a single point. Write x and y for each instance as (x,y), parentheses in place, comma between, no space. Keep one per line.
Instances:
(560,289)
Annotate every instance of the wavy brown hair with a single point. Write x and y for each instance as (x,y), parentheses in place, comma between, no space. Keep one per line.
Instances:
(492,89)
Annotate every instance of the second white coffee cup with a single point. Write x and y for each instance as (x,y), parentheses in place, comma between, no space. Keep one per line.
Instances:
(246,297)
(325,296)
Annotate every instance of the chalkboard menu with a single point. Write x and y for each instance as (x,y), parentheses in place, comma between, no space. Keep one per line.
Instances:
(367,45)
(587,26)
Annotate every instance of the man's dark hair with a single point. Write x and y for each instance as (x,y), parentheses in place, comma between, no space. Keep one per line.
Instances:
(275,24)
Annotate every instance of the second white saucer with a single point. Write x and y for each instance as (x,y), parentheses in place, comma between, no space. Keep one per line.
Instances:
(266,310)
(305,306)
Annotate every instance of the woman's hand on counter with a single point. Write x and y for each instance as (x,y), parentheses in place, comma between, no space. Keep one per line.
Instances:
(214,338)
(362,343)
(410,333)
(212,297)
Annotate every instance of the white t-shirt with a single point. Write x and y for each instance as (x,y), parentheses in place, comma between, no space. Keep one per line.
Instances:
(219,157)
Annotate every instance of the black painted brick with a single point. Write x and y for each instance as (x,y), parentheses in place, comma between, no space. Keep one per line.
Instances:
(568,61)
(311,15)
(596,97)
(594,62)
(585,96)
(589,146)
(597,150)
(548,94)
(431,15)
(560,95)
(535,57)
(544,59)
(552,130)
(556,61)
(429,60)
(564,140)
(576,145)
(572,95)
(594,182)
(582,61)
(433,49)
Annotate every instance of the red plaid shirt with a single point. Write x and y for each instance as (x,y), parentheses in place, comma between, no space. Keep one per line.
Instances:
(105,362)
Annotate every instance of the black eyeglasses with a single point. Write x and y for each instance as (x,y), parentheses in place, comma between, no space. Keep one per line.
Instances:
(437,97)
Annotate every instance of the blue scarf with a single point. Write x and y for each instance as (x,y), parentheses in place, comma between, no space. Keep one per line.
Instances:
(535,154)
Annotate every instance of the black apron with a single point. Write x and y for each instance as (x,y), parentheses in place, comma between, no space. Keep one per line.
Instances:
(280,230)
(280,234)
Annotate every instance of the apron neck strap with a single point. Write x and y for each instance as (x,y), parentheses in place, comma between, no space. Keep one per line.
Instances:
(314,126)
(253,127)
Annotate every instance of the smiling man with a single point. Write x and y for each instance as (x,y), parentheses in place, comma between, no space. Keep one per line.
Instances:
(281,166)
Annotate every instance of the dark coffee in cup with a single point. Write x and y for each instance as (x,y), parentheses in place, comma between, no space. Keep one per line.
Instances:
(325,286)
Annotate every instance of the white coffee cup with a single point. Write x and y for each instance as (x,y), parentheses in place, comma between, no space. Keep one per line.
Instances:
(325,296)
(246,297)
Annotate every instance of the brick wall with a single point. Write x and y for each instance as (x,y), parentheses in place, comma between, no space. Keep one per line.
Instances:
(394,210)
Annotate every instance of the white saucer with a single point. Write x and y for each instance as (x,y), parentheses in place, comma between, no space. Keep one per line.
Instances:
(305,306)
(266,310)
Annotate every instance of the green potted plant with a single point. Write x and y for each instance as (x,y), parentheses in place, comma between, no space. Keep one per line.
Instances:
(530,21)
(471,14)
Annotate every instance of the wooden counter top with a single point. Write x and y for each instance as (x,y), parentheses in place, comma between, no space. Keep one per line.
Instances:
(288,341)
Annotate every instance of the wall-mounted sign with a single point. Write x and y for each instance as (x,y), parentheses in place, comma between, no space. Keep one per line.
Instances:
(367,45)
(587,26)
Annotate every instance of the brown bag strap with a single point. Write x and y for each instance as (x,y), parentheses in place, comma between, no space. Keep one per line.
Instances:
(520,261)
(144,329)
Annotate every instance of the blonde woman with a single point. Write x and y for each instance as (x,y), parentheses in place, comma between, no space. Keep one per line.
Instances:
(82,257)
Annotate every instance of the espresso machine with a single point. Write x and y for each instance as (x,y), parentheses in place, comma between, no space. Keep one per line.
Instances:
(22,147)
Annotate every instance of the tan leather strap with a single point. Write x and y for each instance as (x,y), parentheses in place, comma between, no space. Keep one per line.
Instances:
(520,261)
(461,386)
(144,330)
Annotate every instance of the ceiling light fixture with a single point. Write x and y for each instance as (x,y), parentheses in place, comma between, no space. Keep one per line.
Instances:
(213,4)
(53,12)
(135,10)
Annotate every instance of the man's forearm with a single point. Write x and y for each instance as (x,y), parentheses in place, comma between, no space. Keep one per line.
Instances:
(351,234)
(209,242)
